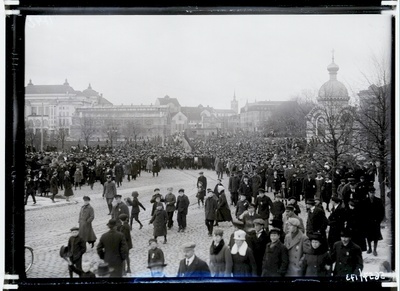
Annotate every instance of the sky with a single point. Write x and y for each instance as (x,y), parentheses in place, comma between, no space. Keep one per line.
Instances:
(204,59)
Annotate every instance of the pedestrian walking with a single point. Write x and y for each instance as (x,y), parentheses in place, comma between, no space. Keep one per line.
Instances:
(374,215)
(210,208)
(68,192)
(260,243)
(192,265)
(202,179)
(91,177)
(223,210)
(154,254)
(220,256)
(170,201)
(30,189)
(136,204)
(233,187)
(241,205)
(78,177)
(278,207)
(275,261)
(76,248)
(54,185)
(159,221)
(316,263)
(109,192)
(289,213)
(155,200)
(336,221)
(182,206)
(243,261)
(201,193)
(113,248)
(316,221)
(86,217)
(346,256)
(297,245)
(119,207)
(263,205)
(125,230)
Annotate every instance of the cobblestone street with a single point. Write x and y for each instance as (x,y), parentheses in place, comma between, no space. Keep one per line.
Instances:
(48,224)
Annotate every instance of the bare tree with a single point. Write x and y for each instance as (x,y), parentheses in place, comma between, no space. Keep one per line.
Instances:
(87,128)
(62,134)
(31,135)
(374,117)
(133,129)
(333,128)
(112,131)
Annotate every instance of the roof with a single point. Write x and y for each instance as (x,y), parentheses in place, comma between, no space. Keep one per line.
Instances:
(192,113)
(167,100)
(261,105)
(49,89)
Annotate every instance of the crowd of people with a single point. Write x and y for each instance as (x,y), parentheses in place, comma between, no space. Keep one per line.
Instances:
(269,237)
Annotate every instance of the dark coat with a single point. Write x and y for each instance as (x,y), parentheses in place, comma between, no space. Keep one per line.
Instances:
(309,188)
(159,221)
(113,248)
(223,210)
(210,207)
(68,186)
(198,268)
(135,203)
(126,231)
(54,185)
(275,261)
(241,206)
(77,246)
(244,266)
(170,201)
(313,264)
(247,190)
(221,262)
(233,184)
(258,247)
(263,206)
(336,222)
(202,179)
(182,204)
(155,255)
(356,222)
(348,259)
(86,216)
(117,210)
(374,214)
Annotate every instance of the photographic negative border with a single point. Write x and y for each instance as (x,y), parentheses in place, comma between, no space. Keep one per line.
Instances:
(15,131)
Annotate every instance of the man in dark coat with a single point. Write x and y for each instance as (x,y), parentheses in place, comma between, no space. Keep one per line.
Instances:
(210,208)
(119,208)
(245,188)
(336,221)
(316,222)
(109,192)
(374,213)
(113,248)
(54,185)
(191,265)
(202,179)
(76,248)
(260,243)
(346,256)
(86,216)
(263,205)
(309,186)
(233,187)
(125,229)
(170,201)
(182,205)
(295,187)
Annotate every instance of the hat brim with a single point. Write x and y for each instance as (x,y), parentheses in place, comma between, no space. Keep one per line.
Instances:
(156,265)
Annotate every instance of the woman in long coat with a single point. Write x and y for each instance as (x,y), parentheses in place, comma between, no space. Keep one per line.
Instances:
(68,192)
(78,177)
(223,210)
(159,221)
(86,216)
(149,165)
(220,256)
(243,262)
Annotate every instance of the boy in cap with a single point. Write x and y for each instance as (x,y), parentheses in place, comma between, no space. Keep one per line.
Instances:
(77,247)
(135,203)
(155,199)
(316,221)
(119,208)
(191,265)
(182,206)
(241,205)
(170,201)
(154,254)
(202,179)
(124,228)
(260,243)
(263,204)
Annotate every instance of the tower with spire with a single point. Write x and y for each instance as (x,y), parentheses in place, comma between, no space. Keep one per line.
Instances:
(235,104)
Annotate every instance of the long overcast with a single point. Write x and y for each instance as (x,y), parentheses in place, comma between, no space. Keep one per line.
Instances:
(203,59)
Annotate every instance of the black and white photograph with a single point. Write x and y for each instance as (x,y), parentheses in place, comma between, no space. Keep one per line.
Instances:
(223,147)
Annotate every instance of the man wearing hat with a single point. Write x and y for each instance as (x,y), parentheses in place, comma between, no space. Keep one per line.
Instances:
(125,229)
(170,201)
(202,179)
(349,191)
(336,220)
(275,261)
(86,217)
(260,242)
(316,221)
(295,243)
(191,265)
(210,208)
(346,256)
(375,211)
(76,248)
(289,213)
(245,188)
(233,187)
(119,208)
(309,186)
(113,248)
(263,204)
(340,188)
(109,192)
(155,199)
(316,263)
(155,258)
(54,185)
(182,206)
(103,270)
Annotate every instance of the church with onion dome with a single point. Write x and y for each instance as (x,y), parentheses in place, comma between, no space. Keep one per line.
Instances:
(333,112)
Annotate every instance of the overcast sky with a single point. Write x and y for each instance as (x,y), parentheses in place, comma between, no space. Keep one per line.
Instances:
(203,59)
